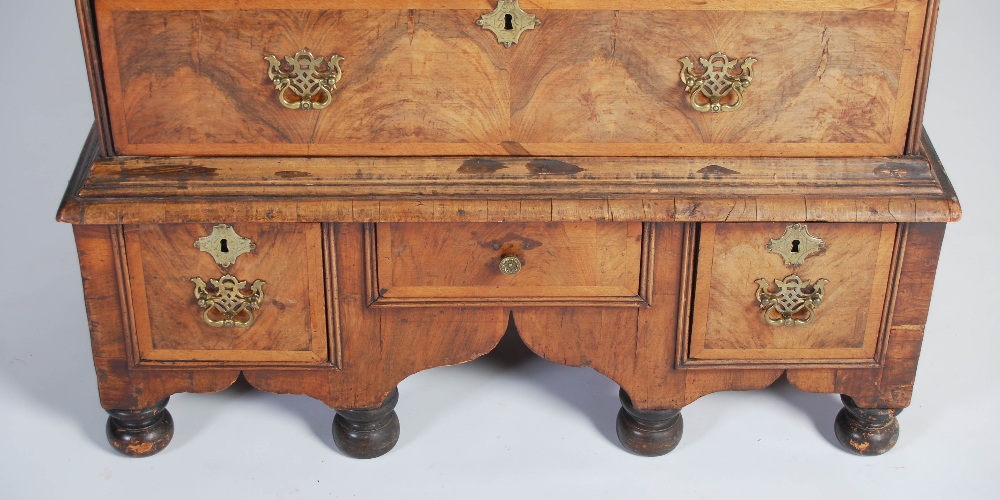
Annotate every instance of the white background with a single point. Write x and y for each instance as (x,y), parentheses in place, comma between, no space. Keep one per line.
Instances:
(507,425)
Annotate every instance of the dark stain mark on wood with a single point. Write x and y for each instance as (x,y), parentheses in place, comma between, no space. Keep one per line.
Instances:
(383,291)
(291,174)
(552,167)
(511,242)
(514,148)
(480,166)
(716,171)
(901,170)
(173,172)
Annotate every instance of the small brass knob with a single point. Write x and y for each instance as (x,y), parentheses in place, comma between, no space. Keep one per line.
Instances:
(510,265)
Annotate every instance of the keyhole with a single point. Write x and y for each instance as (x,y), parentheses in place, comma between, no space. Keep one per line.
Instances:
(508,22)
(224,245)
(795,246)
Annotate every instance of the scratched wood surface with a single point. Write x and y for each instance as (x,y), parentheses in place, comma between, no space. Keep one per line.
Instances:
(728,326)
(460,262)
(143,190)
(837,80)
(290,325)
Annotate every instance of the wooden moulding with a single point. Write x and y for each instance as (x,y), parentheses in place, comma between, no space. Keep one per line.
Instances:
(204,189)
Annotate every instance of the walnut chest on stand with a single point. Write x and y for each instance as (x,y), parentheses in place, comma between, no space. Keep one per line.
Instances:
(328,196)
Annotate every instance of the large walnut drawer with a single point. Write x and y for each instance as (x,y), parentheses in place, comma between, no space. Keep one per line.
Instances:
(833,78)
(290,325)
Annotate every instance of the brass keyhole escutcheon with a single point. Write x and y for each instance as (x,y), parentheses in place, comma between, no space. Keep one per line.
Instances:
(224,245)
(508,21)
(510,265)
(795,245)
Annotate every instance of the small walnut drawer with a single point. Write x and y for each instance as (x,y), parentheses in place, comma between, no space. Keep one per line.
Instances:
(765,295)
(596,77)
(283,275)
(587,263)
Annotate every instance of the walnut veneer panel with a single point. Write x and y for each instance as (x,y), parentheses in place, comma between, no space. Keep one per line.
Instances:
(290,325)
(836,80)
(459,262)
(728,325)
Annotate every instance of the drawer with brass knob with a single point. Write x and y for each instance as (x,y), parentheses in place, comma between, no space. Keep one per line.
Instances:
(246,292)
(775,293)
(424,264)
(595,77)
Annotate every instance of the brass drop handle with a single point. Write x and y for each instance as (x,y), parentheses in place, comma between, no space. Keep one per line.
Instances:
(307,77)
(793,304)
(510,265)
(227,301)
(716,83)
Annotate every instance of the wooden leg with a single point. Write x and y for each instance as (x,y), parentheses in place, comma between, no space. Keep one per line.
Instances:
(866,431)
(368,433)
(649,433)
(141,433)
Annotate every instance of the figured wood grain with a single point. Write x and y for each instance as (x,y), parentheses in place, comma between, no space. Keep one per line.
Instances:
(290,325)
(728,325)
(421,263)
(431,82)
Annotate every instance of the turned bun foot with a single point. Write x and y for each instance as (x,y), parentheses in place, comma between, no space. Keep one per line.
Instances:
(866,431)
(649,433)
(368,433)
(140,433)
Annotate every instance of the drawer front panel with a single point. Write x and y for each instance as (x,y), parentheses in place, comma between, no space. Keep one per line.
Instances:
(849,274)
(461,263)
(830,78)
(286,266)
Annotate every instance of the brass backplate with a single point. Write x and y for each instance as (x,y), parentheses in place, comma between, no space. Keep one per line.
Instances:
(794,302)
(306,77)
(227,301)
(713,88)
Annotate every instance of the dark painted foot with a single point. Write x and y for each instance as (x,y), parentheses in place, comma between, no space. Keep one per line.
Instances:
(140,433)
(368,433)
(866,431)
(649,433)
